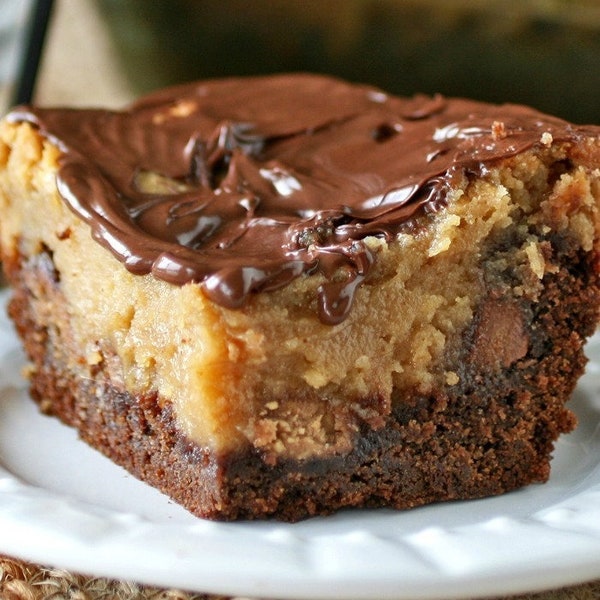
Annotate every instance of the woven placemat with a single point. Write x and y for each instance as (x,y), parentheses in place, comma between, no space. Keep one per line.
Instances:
(25,581)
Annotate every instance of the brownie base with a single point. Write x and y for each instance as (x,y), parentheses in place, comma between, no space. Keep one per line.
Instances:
(489,434)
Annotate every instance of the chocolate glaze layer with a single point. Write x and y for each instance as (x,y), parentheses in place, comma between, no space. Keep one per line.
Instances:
(244,184)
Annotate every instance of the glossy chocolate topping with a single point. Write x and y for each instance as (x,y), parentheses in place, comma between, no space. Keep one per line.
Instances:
(245,184)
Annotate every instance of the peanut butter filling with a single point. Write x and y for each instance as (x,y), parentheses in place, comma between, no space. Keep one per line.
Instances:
(270,373)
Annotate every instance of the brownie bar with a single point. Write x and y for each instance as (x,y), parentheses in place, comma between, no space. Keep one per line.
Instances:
(485,436)
(283,296)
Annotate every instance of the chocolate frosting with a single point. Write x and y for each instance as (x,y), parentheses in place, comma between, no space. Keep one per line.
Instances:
(244,184)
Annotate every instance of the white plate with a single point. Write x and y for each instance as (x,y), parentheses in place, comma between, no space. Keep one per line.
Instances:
(63,504)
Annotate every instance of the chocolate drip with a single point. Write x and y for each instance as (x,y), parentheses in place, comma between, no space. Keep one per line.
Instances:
(243,185)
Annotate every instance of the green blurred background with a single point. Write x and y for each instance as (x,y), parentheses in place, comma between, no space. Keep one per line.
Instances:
(545,53)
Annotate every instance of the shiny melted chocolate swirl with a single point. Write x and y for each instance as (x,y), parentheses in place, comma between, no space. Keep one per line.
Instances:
(243,185)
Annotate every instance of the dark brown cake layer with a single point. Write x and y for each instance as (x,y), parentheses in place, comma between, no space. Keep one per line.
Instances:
(491,433)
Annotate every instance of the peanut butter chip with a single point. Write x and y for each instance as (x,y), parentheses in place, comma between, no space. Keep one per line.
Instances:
(500,336)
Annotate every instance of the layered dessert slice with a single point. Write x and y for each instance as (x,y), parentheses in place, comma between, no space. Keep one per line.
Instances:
(282,296)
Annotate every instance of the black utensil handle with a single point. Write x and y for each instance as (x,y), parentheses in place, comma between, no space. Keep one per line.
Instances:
(34,44)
